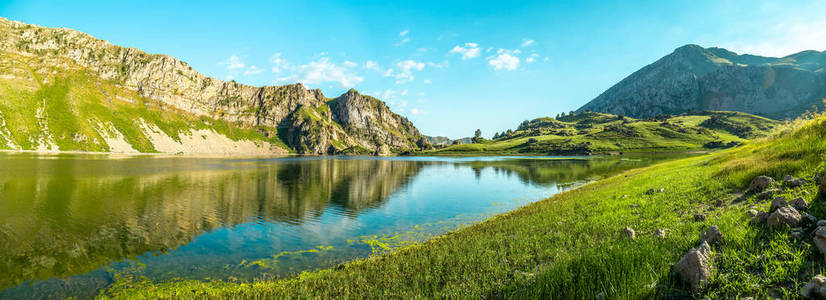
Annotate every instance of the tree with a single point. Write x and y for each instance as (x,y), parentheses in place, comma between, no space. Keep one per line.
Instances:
(557,117)
(563,114)
(510,132)
(477,136)
(495,135)
(572,113)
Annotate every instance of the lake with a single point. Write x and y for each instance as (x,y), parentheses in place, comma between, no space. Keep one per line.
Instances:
(72,224)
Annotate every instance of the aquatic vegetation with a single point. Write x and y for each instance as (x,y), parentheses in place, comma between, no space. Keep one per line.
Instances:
(272,262)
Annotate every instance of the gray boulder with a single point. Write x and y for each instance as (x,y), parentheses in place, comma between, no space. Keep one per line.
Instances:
(799,204)
(660,233)
(695,267)
(698,217)
(819,239)
(816,288)
(760,183)
(713,235)
(784,216)
(629,233)
(777,203)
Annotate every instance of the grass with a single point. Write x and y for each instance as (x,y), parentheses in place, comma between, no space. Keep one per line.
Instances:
(589,133)
(570,246)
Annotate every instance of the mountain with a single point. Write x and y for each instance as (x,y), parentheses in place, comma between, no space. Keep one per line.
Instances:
(61,89)
(593,133)
(693,78)
(443,140)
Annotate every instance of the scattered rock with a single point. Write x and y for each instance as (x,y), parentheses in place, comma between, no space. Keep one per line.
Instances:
(752,213)
(624,196)
(821,223)
(698,217)
(660,233)
(792,182)
(634,205)
(819,239)
(777,203)
(784,216)
(816,288)
(694,268)
(799,204)
(629,233)
(650,192)
(760,218)
(821,187)
(661,190)
(809,219)
(713,235)
(767,194)
(760,183)
(718,202)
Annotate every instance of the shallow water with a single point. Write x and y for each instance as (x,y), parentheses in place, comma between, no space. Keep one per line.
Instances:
(71,224)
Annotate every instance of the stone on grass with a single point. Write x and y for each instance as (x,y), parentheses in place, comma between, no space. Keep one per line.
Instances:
(784,216)
(660,233)
(819,239)
(694,268)
(760,183)
(698,217)
(809,219)
(650,192)
(718,202)
(760,218)
(661,190)
(799,204)
(766,195)
(752,213)
(629,233)
(713,235)
(777,203)
(821,185)
(816,288)
(821,223)
(792,182)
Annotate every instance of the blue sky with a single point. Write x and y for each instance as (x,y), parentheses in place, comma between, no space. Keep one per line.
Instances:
(449,66)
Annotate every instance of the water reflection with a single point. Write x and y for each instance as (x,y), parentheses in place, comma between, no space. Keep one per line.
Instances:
(68,215)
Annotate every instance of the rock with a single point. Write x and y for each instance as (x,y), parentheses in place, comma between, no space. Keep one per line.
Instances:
(819,239)
(752,212)
(765,195)
(777,203)
(698,217)
(713,236)
(624,196)
(694,268)
(792,182)
(634,205)
(629,233)
(760,218)
(661,190)
(799,204)
(651,192)
(784,216)
(660,233)
(809,219)
(760,183)
(816,288)
(821,185)
(718,202)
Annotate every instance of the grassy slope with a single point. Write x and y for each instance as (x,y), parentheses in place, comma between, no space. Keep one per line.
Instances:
(649,135)
(570,246)
(75,102)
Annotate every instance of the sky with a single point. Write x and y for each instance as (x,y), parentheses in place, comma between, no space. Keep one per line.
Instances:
(449,66)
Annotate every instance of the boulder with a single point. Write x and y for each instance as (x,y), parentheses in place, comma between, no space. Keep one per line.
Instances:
(694,268)
(816,288)
(760,183)
(713,235)
(629,233)
(784,216)
(651,192)
(792,182)
(767,194)
(799,204)
(752,213)
(660,233)
(819,239)
(760,218)
(809,219)
(777,203)
(698,217)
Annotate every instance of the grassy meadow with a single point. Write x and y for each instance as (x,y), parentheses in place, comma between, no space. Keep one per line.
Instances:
(570,246)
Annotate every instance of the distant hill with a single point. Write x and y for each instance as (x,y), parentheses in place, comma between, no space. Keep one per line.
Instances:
(593,133)
(442,140)
(693,78)
(64,90)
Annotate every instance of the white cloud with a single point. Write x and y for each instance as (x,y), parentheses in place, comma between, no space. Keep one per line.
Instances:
(350,64)
(233,63)
(785,38)
(428,81)
(417,111)
(527,42)
(372,65)
(504,60)
(403,41)
(468,50)
(252,70)
(532,58)
(406,68)
(278,64)
(321,71)
(404,32)
(404,92)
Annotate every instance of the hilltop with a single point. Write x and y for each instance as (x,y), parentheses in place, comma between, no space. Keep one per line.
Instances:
(64,90)
(593,133)
(693,78)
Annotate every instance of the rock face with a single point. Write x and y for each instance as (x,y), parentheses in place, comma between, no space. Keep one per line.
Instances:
(815,288)
(697,78)
(304,119)
(784,216)
(694,268)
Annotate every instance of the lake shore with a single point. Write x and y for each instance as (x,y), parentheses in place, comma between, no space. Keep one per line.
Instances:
(574,244)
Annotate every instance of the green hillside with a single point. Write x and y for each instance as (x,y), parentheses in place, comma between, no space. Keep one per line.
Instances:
(594,133)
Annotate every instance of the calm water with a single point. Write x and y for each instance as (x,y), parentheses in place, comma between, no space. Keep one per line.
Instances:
(70,224)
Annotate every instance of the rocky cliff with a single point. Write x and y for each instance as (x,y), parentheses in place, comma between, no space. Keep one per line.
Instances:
(301,118)
(696,78)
